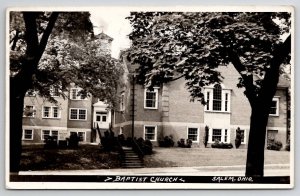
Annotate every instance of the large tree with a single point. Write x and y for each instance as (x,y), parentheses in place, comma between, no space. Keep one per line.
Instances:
(52,49)
(192,45)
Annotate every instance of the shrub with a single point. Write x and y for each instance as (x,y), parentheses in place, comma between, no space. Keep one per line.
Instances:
(74,140)
(50,142)
(218,144)
(121,139)
(145,145)
(166,142)
(205,138)
(238,138)
(181,143)
(274,145)
(287,147)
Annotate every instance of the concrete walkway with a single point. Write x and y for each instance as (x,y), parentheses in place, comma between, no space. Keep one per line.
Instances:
(237,170)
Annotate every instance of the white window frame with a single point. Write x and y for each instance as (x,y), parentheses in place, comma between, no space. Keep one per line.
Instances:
(222,135)
(51,112)
(209,106)
(78,97)
(78,113)
(155,90)
(277,106)
(50,133)
(196,141)
(155,132)
(33,113)
(84,139)
(52,90)
(23,134)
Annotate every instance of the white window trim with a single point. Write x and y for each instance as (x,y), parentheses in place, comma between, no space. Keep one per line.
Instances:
(156,98)
(78,114)
(155,132)
(210,134)
(187,133)
(223,93)
(277,106)
(77,134)
(50,133)
(78,97)
(23,134)
(51,112)
(34,112)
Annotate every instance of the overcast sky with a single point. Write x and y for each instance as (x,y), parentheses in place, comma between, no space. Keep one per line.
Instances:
(113,23)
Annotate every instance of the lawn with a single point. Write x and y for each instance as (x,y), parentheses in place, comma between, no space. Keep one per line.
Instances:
(35,157)
(188,157)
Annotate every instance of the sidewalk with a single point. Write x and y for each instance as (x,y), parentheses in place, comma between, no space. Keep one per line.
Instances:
(237,170)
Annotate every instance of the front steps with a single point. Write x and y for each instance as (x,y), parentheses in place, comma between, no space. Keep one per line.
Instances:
(131,159)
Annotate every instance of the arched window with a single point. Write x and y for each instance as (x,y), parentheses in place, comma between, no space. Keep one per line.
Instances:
(217,97)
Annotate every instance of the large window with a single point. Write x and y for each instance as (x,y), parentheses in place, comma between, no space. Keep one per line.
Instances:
(29,111)
(51,112)
(150,132)
(216,135)
(274,109)
(151,99)
(46,133)
(271,136)
(193,134)
(217,99)
(77,94)
(78,114)
(27,134)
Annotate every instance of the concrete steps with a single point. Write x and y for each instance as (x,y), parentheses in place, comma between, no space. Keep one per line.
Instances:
(131,159)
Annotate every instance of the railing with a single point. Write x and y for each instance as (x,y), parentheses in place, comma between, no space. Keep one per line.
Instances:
(136,148)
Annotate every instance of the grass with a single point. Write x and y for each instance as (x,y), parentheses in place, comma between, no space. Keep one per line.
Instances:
(35,157)
(193,157)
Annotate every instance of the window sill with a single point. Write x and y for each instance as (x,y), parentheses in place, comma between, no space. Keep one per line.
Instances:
(274,115)
(150,108)
(221,112)
(79,119)
(52,118)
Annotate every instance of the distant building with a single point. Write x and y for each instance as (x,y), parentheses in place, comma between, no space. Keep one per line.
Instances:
(77,113)
(167,110)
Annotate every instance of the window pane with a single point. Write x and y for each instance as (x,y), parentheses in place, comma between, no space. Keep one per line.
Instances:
(45,134)
(82,114)
(103,118)
(273,108)
(55,112)
(98,118)
(54,134)
(217,97)
(150,99)
(46,112)
(74,93)
(242,135)
(193,134)
(81,136)
(73,114)
(207,104)
(27,134)
(216,135)
(149,133)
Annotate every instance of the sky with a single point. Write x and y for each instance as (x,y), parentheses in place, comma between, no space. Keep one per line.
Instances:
(113,23)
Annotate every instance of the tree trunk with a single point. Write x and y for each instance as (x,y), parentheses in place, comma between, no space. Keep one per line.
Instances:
(256,142)
(16,117)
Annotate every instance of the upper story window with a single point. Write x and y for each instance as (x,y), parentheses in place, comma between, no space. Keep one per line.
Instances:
(151,99)
(78,114)
(29,111)
(51,112)
(54,91)
(274,109)
(217,99)
(76,94)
